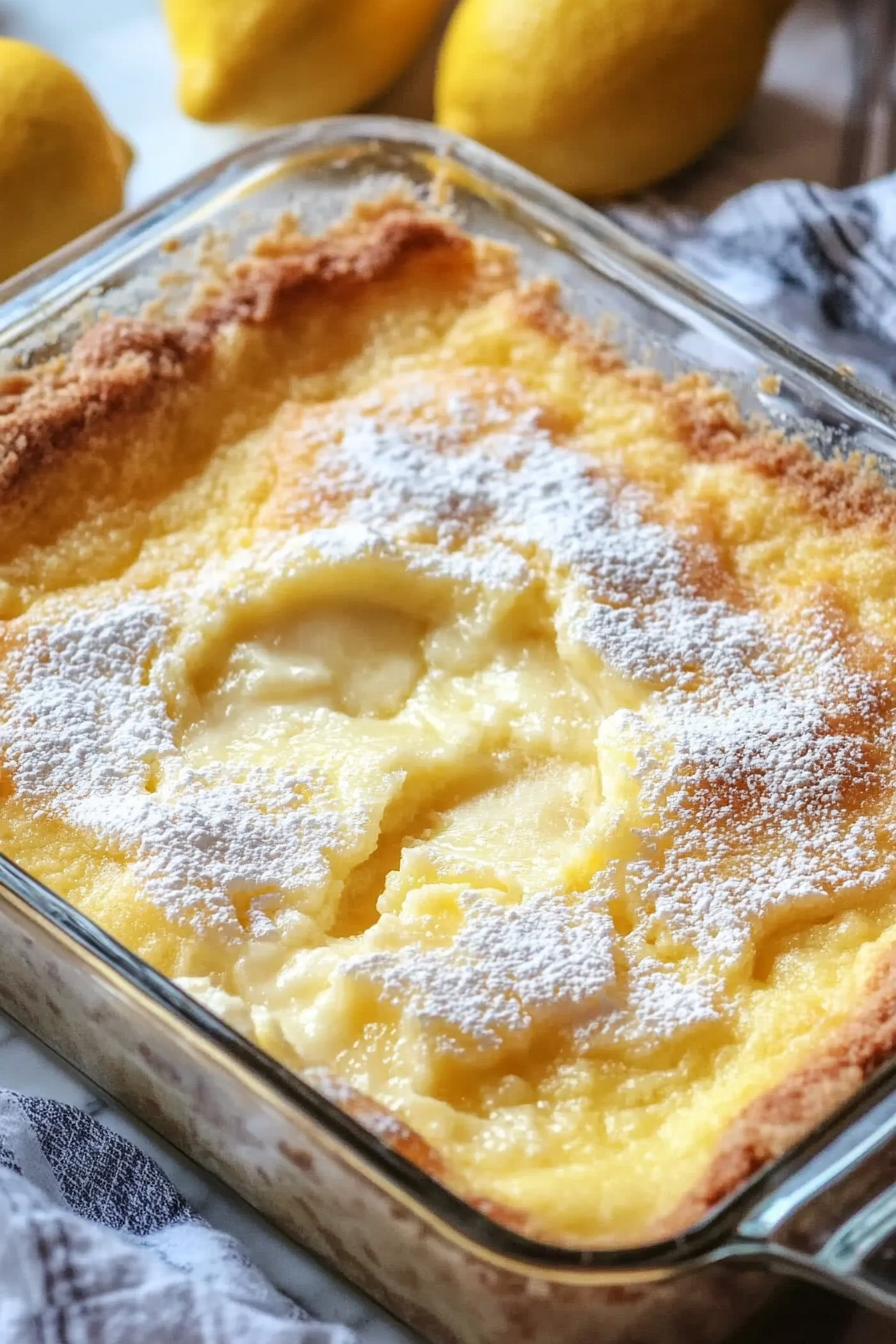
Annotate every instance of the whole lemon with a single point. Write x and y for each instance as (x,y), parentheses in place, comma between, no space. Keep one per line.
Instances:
(62,167)
(266,62)
(602,97)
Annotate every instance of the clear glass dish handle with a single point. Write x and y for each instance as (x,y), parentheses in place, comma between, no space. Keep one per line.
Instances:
(831,1219)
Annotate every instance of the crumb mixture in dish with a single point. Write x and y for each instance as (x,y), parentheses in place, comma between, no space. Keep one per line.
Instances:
(496,733)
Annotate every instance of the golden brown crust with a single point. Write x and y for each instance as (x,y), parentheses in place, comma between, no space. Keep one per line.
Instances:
(355,255)
(540,306)
(115,367)
(120,366)
(844,492)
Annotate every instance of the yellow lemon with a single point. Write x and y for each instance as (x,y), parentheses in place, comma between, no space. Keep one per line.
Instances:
(62,167)
(267,62)
(602,97)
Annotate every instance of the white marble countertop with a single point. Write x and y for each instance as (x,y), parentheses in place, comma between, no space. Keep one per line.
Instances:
(120,48)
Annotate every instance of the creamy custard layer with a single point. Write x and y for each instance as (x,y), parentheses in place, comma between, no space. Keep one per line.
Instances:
(458,711)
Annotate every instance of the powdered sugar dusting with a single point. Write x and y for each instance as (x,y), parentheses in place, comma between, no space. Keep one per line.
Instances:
(76,710)
(750,744)
(423,481)
(84,728)
(510,972)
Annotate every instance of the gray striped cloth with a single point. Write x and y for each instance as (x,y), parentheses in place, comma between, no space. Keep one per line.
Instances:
(97,1247)
(819,264)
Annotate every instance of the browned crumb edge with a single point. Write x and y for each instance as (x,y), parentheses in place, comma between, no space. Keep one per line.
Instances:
(121,366)
(845,492)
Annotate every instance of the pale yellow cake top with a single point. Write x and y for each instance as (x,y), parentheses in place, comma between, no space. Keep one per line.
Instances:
(458,711)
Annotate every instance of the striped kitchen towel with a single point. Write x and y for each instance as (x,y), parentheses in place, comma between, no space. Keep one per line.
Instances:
(97,1247)
(815,256)
(820,264)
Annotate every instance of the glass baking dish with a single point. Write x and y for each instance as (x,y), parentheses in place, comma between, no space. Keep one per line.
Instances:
(826,1211)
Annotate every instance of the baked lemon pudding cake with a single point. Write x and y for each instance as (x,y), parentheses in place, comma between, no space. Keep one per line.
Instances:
(494,732)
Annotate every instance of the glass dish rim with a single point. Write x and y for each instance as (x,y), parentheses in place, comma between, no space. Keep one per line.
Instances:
(33,296)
